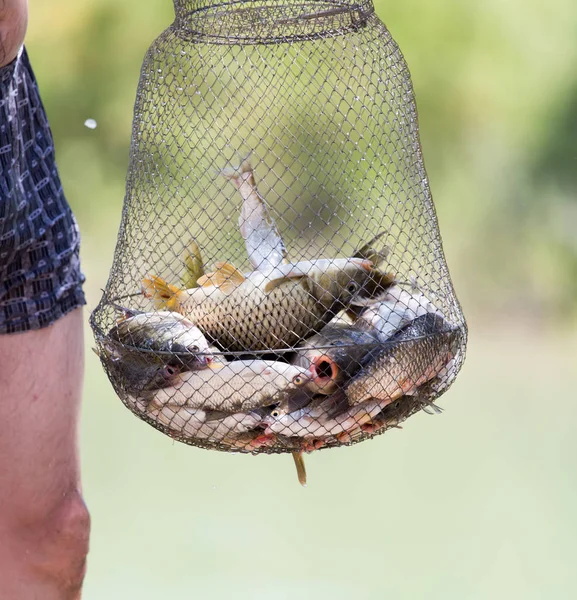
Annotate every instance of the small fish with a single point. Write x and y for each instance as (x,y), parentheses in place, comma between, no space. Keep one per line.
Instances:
(139,374)
(148,351)
(239,386)
(258,313)
(193,266)
(412,357)
(264,244)
(330,416)
(395,309)
(163,331)
(335,354)
(196,423)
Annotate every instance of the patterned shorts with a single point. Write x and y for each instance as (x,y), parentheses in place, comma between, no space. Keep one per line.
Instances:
(40,277)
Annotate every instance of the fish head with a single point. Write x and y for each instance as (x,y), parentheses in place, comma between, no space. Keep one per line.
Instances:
(171,339)
(374,288)
(336,285)
(138,372)
(280,421)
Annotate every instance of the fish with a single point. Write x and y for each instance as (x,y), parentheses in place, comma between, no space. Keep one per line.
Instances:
(238,386)
(328,416)
(259,313)
(148,351)
(163,331)
(335,354)
(393,311)
(193,266)
(197,423)
(413,356)
(137,373)
(264,245)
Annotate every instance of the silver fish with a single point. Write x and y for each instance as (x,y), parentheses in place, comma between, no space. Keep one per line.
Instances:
(412,357)
(148,351)
(196,423)
(239,386)
(328,417)
(395,309)
(264,245)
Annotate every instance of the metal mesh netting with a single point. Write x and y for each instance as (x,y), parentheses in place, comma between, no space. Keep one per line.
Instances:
(279,283)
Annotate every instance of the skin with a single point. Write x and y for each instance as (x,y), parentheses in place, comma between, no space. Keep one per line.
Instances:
(44,523)
(13,22)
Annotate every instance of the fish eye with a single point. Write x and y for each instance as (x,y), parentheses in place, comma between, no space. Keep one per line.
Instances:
(298,379)
(193,349)
(353,287)
(275,413)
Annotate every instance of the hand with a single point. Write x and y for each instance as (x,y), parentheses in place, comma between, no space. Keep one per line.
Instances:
(13,21)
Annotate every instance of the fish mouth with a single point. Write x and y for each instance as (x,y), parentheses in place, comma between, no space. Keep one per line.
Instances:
(325,373)
(212,364)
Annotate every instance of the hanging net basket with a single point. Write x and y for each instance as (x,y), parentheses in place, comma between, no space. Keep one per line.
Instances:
(279,283)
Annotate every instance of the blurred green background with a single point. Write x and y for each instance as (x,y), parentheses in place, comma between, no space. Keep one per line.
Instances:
(477,503)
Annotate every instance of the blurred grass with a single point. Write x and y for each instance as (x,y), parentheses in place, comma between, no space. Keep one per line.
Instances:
(477,503)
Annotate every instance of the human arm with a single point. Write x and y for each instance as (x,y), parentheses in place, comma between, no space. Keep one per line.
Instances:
(13,22)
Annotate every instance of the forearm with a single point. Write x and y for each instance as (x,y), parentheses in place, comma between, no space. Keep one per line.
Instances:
(13,21)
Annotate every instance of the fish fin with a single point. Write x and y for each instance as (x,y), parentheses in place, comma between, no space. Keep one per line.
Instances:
(301,469)
(163,295)
(367,251)
(193,266)
(274,283)
(240,173)
(226,277)
(125,313)
(215,415)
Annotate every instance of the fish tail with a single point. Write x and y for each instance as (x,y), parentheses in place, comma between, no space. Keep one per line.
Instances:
(239,174)
(301,469)
(193,266)
(163,295)
(368,251)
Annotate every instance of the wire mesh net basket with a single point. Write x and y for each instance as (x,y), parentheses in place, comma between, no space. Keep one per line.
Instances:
(279,283)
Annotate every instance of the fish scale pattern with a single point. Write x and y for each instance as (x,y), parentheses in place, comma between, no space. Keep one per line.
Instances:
(279,282)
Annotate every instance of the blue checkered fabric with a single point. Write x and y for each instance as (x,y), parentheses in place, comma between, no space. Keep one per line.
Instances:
(40,277)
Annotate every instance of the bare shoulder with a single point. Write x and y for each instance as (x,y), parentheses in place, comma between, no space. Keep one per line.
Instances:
(13,22)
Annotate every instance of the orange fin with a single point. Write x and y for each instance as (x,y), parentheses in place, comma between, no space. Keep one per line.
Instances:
(163,295)
(226,277)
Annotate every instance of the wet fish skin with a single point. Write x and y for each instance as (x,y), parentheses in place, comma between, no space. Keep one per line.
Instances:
(413,356)
(137,373)
(199,424)
(162,331)
(239,386)
(327,417)
(260,314)
(148,351)
(335,354)
(264,245)
(396,309)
